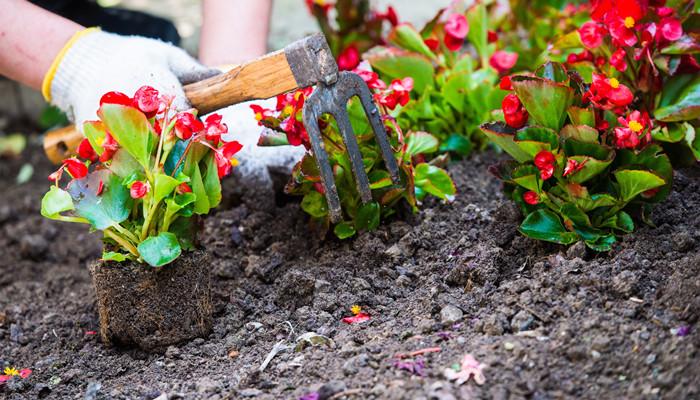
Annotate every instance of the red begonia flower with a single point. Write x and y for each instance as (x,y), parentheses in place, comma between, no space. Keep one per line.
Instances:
(544,161)
(505,83)
(599,8)
(633,127)
(621,29)
(572,166)
(139,189)
(432,43)
(116,98)
(531,198)
(513,111)
(358,318)
(147,99)
(592,34)
(371,78)
(262,114)
(398,93)
(75,167)
(109,147)
(608,93)
(186,124)
(670,29)
(214,128)
(390,15)
(456,29)
(617,59)
(183,188)
(492,36)
(86,152)
(224,157)
(349,58)
(503,61)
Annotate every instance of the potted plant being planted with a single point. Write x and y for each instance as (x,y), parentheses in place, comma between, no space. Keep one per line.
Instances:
(143,175)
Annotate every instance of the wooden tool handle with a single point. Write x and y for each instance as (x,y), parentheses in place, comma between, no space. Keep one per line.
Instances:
(62,143)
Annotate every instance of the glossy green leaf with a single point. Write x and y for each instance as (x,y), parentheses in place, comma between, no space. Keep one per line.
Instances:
(160,250)
(679,99)
(594,201)
(435,181)
(314,204)
(175,204)
(552,71)
(651,158)
(174,156)
(634,182)
(379,179)
(406,37)
(109,208)
(456,143)
(55,202)
(546,101)
(114,256)
(95,132)
(201,204)
(269,137)
(164,186)
(124,164)
(502,136)
(621,221)
(581,133)
(367,217)
(401,66)
(533,139)
(545,225)
(581,116)
(344,230)
(420,143)
(130,129)
(478,19)
(527,176)
(212,183)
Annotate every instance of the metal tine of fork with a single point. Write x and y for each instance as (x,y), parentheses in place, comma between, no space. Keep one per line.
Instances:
(311,114)
(358,167)
(375,120)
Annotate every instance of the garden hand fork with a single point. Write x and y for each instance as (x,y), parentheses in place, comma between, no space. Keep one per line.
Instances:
(304,63)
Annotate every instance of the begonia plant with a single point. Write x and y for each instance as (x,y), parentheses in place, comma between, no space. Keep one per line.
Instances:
(455,62)
(419,178)
(142,175)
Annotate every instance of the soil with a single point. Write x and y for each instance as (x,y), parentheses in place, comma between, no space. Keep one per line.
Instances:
(546,321)
(153,307)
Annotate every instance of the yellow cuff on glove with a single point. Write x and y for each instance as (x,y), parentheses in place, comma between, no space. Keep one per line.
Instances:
(48,78)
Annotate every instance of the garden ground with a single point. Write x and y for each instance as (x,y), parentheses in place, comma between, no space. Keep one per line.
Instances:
(546,321)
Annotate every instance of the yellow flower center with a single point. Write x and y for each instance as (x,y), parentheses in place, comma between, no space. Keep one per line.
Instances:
(234,162)
(356,309)
(614,83)
(635,126)
(11,371)
(288,109)
(629,22)
(258,116)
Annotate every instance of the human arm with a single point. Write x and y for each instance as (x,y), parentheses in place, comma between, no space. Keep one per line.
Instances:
(234,31)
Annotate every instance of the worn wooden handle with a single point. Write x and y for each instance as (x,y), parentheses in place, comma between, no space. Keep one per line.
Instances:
(262,78)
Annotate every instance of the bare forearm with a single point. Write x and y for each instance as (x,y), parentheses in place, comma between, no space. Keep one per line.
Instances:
(30,38)
(234,31)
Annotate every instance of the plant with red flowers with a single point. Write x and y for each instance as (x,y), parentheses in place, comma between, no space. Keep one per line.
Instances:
(455,64)
(651,50)
(418,177)
(356,28)
(585,160)
(142,174)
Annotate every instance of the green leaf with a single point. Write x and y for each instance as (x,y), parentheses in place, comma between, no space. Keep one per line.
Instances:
(533,139)
(270,137)
(633,182)
(344,230)
(367,217)
(124,165)
(95,132)
(212,183)
(164,186)
(545,225)
(401,66)
(594,157)
(314,204)
(379,179)
(581,133)
(160,250)
(679,99)
(651,158)
(527,177)
(594,201)
(420,143)
(55,202)
(456,143)
(406,37)
(478,29)
(174,156)
(435,181)
(581,116)
(177,203)
(687,44)
(201,204)
(130,129)
(672,133)
(601,242)
(114,256)
(546,101)
(110,208)
(571,40)
(553,71)
(502,136)
(621,221)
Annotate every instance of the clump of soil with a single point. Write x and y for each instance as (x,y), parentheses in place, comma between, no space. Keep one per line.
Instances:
(546,321)
(153,307)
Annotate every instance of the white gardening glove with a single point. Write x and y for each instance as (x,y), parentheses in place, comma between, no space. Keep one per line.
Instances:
(95,62)
(254,161)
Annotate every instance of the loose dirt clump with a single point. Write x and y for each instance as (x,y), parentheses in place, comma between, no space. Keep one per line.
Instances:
(546,321)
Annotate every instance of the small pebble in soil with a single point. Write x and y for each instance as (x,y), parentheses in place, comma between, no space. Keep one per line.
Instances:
(451,314)
(331,388)
(92,390)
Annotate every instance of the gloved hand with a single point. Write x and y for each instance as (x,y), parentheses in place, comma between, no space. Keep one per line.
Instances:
(94,62)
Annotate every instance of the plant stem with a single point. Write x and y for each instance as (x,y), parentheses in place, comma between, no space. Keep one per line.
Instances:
(126,233)
(122,242)
(147,222)
(184,155)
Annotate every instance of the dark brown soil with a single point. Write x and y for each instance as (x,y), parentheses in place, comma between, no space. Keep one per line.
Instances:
(548,322)
(153,308)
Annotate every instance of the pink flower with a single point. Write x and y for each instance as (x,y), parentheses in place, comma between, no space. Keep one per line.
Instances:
(262,114)
(371,79)
(469,368)
(147,100)
(456,29)
(109,147)
(617,59)
(592,34)
(214,128)
(572,167)
(513,111)
(139,189)
(349,58)
(633,127)
(503,61)
(224,157)
(670,29)
(398,93)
